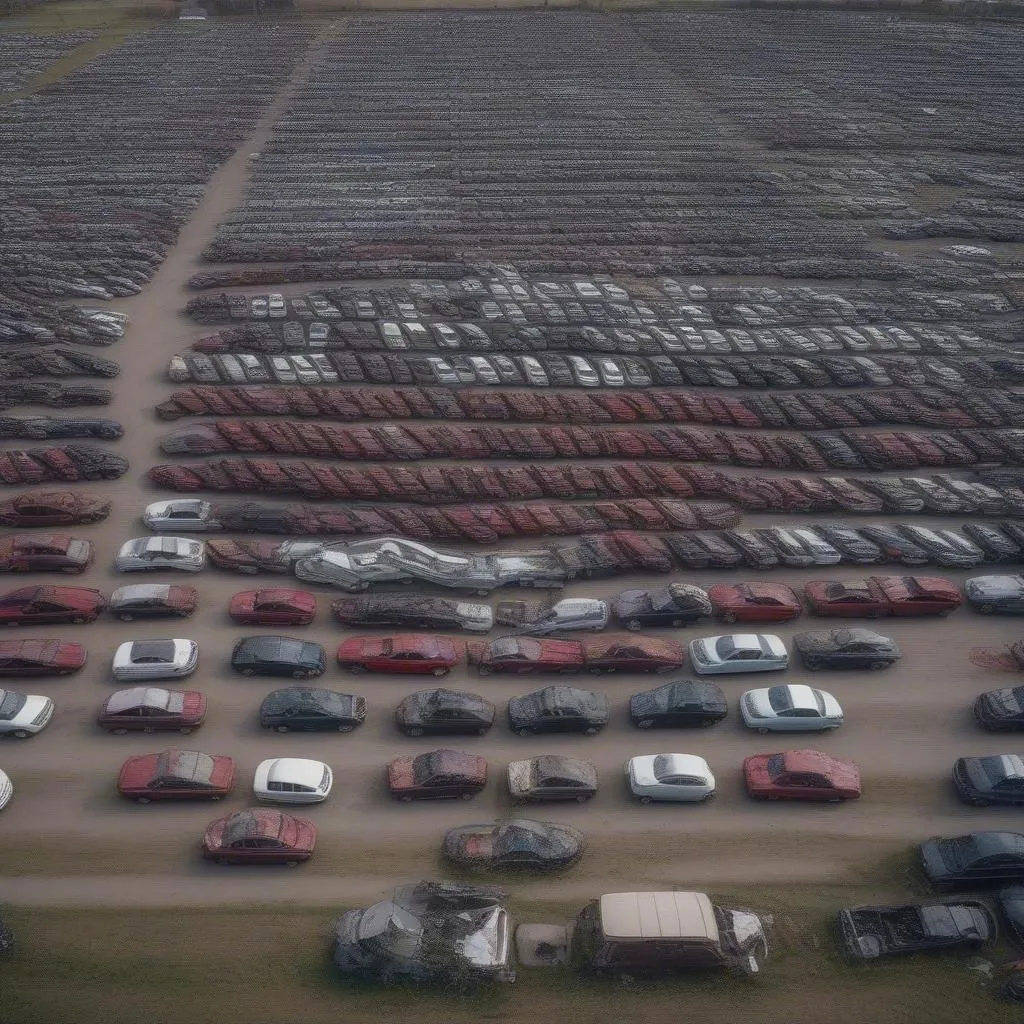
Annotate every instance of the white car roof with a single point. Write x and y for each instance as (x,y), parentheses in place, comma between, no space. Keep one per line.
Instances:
(801,696)
(658,915)
(141,592)
(301,770)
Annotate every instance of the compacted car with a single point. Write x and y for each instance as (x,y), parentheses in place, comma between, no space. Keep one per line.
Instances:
(558,709)
(44,552)
(40,657)
(977,858)
(1001,710)
(519,843)
(153,601)
(754,602)
(53,508)
(994,779)
(551,777)
(871,932)
(883,595)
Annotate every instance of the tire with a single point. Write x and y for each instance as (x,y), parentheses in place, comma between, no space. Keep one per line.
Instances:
(291,863)
(21,734)
(142,800)
(148,730)
(281,728)
(729,617)
(349,667)
(125,617)
(185,730)
(484,670)
(13,622)
(634,624)
(663,669)
(645,723)
(414,732)
(300,675)
(483,730)
(466,796)
(406,799)
(812,663)
(216,796)
(525,732)
(877,666)
(764,732)
(79,621)
(345,727)
(986,609)
(979,802)
(582,799)
(248,672)
(439,672)
(644,799)
(118,732)
(224,861)
(591,731)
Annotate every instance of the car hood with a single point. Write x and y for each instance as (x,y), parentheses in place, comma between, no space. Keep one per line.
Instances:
(34,705)
(995,586)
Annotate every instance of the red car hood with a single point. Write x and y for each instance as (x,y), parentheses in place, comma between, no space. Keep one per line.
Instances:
(400,773)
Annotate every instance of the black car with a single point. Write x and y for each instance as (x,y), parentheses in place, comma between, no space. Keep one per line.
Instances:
(558,709)
(996,545)
(850,544)
(444,713)
(756,553)
(411,611)
(721,554)
(516,843)
(302,709)
(995,779)
(846,648)
(678,604)
(895,547)
(1001,710)
(1011,903)
(278,656)
(978,858)
(685,702)
(687,551)
(869,932)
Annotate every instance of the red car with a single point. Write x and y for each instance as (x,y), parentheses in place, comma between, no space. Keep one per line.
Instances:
(631,653)
(44,552)
(801,775)
(152,709)
(522,654)
(438,775)
(40,658)
(52,508)
(31,605)
(404,652)
(754,602)
(176,775)
(883,595)
(259,835)
(274,606)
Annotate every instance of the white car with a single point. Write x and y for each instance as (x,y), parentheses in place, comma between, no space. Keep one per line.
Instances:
(681,778)
(443,371)
(485,373)
(259,307)
(144,553)
(275,305)
(569,614)
(790,708)
(282,371)
(392,336)
(319,333)
(179,514)
(292,780)
(323,366)
(535,373)
(255,371)
(585,375)
(155,659)
(6,789)
(822,552)
(611,373)
(22,715)
(304,370)
(446,337)
(738,652)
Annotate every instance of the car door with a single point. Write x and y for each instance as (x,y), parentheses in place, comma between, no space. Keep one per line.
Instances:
(45,611)
(802,720)
(1009,791)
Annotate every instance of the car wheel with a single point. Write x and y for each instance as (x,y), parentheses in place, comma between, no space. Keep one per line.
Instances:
(644,799)
(345,728)
(185,730)
(835,800)
(771,796)
(281,728)
(483,730)
(764,732)
(583,798)
(729,617)
(525,732)
(353,668)
(590,731)
(645,723)
(248,672)
(812,663)
(877,666)
(300,675)
(216,796)
(979,801)
(125,617)
(986,609)
(78,621)
(13,622)
(484,670)
(149,729)
(633,624)
(118,732)
(406,799)
(592,671)
(291,863)
(20,734)
(65,672)
(414,732)
(759,796)
(662,669)
(440,672)
(706,723)
(466,796)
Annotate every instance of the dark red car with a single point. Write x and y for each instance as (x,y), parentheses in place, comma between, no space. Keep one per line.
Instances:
(44,552)
(438,775)
(176,775)
(631,653)
(754,602)
(259,835)
(40,657)
(883,595)
(152,709)
(801,775)
(273,606)
(522,654)
(31,605)
(404,652)
(52,508)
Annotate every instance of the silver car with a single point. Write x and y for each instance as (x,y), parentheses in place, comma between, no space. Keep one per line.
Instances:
(318,333)
(611,374)
(485,373)
(572,613)
(230,368)
(145,553)
(792,708)
(141,660)
(282,370)
(443,371)
(584,374)
(534,371)
(276,306)
(738,652)
(304,370)
(328,374)
(255,371)
(190,514)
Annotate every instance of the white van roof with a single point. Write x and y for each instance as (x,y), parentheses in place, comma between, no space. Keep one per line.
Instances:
(658,915)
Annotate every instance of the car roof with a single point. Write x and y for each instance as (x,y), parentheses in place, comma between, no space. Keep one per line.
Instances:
(658,915)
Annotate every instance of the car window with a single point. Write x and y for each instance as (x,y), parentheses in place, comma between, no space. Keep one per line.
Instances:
(802,713)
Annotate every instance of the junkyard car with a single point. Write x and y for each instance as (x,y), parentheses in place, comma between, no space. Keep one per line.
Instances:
(846,648)
(678,604)
(153,600)
(429,932)
(1001,710)
(40,657)
(53,508)
(44,552)
(39,605)
(870,932)
(801,775)
(558,709)
(680,778)
(259,836)
(151,708)
(418,653)
(686,702)
(278,656)
(1003,595)
(883,595)
(569,614)
(754,602)
(738,652)
(444,713)
(978,858)
(311,709)
(155,659)
(437,775)
(514,843)
(790,708)
(273,606)
(292,780)
(176,775)
(23,714)
(551,777)
(176,515)
(147,553)
(994,779)
(412,611)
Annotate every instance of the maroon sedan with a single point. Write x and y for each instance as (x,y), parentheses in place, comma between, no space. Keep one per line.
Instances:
(438,775)
(176,775)
(29,606)
(418,653)
(44,552)
(259,836)
(152,709)
(754,602)
(52,508)
(801,775)
(40,658)
(274,606)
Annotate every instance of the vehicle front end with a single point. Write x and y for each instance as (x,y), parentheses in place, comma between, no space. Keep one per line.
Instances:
(859,940)
(519,780)
(33,717)
(757,711)
(704,658)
